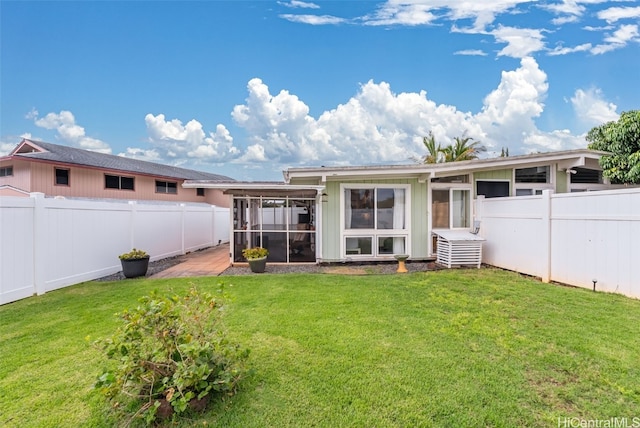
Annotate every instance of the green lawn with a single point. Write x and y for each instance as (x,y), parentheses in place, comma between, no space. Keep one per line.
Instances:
(447,348)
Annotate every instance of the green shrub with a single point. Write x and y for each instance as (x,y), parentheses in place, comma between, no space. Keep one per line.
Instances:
(255,253)
(133,254)
(170,354)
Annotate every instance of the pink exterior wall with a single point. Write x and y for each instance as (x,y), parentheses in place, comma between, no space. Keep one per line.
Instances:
(90,183)
(21,178)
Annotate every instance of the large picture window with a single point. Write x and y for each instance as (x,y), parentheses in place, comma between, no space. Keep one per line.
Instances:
(375,221)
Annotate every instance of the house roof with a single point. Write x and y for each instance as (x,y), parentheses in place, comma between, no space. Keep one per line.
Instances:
(47,152)
(565,159)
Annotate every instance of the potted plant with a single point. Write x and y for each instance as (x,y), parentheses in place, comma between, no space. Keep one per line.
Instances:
(134,263)
(257,258)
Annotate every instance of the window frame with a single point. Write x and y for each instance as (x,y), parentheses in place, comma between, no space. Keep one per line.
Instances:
(200,191)
(167,187)
(373,233)
(535,188)
(6,171)
(55,176)
(120,177)
(451,188)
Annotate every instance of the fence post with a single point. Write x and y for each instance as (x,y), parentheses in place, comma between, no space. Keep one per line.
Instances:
(546,235)
(39,243)
(213,226)
(132,226)
(183,214)
(477,215)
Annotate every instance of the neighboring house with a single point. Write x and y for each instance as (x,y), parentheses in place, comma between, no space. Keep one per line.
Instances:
(370,213)
(62,171)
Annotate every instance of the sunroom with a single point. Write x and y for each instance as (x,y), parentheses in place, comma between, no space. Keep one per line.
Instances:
(281,218)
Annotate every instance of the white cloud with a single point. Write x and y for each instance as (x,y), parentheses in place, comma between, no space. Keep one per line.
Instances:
(422,12)
(617,40)
(564,20)
(178,142)
(151,155)
(375,126)
(64,123)
(537,141)
(615,14)
(591,108)
(299,4)
(401,13)
(471,52)
(521,42)
(559,50)
(508,113)
(378,126)
(314,19)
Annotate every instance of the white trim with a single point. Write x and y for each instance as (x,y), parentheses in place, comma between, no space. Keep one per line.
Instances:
(374,233)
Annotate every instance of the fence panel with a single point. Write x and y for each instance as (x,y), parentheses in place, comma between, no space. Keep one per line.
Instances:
(16,248)
(595,237)
(81,241)
(591,236)
(48,243)
(513,228)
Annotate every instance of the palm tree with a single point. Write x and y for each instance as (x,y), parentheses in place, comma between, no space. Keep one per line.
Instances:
(434,151)
(464,148)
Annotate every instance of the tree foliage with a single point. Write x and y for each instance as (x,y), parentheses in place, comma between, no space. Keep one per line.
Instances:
(621,139)
(463,148)
(434,151)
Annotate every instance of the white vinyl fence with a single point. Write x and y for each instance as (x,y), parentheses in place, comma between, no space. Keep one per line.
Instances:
(571,238)
(48,243)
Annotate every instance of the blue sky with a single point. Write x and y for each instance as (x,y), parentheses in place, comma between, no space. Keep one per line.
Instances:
(249,88)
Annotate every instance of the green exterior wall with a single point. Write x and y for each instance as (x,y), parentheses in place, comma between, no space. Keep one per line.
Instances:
(561,182)
(331,217)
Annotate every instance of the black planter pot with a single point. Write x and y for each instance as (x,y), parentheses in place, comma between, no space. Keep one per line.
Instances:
(257,265)
(133,268)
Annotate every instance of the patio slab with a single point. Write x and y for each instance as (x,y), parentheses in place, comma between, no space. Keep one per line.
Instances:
(210,262)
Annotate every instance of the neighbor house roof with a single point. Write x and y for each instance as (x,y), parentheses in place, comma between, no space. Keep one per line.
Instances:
(565,159)
(47,152)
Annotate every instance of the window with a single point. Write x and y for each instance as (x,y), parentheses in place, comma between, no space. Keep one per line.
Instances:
(452,179)
(528,192)
(6,171)
(118,182)
(375,221)
(200,191)
(450,208)
(169,187)
(586,176)
(536,174)
(62,177)
(492,189)
(382,208)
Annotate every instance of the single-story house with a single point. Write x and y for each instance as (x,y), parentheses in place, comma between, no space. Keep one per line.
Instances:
(371,213)
(55,170)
